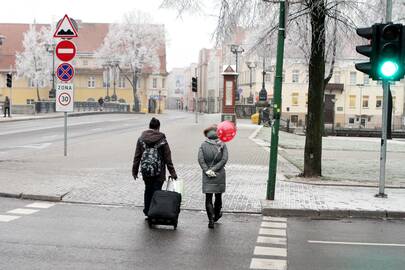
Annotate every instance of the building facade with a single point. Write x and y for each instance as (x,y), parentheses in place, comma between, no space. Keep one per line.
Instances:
(91,80)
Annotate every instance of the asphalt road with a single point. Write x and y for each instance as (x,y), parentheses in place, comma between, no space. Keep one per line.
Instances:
(346,244)
(73,236)
(24,136)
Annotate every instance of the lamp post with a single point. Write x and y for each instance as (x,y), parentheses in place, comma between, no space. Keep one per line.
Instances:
(106,68)
(160,91)
(361,102)
(251,65)
(236,49)
(114,65)
(263,92)
(51,48)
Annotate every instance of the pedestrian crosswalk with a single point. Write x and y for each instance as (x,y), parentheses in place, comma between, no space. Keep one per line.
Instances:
(29,209)
(270,252)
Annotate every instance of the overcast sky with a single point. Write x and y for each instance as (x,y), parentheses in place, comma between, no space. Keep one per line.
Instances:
(186,36)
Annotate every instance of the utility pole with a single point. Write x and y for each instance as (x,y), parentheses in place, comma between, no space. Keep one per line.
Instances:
(271,182)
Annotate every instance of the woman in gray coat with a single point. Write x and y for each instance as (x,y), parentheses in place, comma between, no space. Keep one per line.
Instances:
(212,157)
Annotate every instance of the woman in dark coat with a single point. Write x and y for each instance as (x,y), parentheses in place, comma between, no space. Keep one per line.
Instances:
(212,157)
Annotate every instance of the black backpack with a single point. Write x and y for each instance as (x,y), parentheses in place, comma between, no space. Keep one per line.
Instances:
(151,161)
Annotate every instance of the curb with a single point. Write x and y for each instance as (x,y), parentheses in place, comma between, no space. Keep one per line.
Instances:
(69,115)
(36,197)
(333,213)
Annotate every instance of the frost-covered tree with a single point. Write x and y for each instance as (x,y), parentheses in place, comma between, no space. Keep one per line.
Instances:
(34,62)
(318,30)
(133,46)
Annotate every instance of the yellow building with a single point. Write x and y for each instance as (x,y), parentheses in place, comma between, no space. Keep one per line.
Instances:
(91,80)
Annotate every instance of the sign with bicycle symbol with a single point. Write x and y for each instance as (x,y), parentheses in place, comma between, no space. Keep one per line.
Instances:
(64,97)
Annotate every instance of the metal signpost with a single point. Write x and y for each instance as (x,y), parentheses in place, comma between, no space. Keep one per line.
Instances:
(65,51)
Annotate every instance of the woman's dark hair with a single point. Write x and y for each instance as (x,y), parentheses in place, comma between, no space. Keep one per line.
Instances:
(154,123)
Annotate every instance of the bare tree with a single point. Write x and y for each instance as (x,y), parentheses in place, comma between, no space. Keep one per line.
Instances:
(133,46)
(317,29)
(34,62)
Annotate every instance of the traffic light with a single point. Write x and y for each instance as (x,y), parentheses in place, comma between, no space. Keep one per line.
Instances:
(385,50)
(391,52)
(370,50)
(194,84)
(9,80)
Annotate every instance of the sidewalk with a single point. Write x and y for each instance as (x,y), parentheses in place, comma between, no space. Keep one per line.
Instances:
(318,198)
(39,116)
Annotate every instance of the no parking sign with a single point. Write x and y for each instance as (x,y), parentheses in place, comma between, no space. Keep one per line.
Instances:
(64,97)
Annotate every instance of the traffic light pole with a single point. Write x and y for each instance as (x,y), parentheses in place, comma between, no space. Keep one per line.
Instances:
(271,182)
(383,152)
(386,90)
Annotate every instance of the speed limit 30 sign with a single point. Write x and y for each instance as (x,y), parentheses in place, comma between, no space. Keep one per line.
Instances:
(64,97)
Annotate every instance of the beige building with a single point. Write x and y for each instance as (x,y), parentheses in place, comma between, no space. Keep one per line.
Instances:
(91,80)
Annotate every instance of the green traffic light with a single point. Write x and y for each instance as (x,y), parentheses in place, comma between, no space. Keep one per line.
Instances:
(389,69)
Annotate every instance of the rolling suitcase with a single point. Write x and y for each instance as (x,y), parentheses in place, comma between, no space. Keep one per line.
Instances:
(164,208)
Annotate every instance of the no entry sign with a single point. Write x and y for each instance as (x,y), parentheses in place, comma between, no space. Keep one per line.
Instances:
(64,97)
(65,72)
(65,50)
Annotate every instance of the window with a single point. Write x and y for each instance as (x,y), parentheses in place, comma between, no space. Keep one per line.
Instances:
(163,83)
(378,103)
(295,76)
(353,77)
(30,101)
(294,99)
(31,83)
(91,83)
(268,77)
(121,81)
(154,83)
(106,78)
(351,120)
(352,101)
(85,62)
(294,119)
(336,77)
(365,102)
(366,80)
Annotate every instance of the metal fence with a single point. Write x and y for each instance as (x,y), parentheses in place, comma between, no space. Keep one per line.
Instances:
(83,106)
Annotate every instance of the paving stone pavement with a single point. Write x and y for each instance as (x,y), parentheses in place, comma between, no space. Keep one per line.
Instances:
(247,171)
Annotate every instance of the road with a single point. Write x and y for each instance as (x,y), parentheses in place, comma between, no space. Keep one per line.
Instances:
(73,236)
(346,244)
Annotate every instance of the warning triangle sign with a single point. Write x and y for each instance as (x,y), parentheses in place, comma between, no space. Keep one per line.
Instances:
(65,29)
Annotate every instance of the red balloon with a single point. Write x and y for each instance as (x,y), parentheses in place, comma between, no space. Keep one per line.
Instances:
(226,131)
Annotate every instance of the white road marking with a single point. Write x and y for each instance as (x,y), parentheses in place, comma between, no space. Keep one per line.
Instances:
(35,146)
(356,243)
(22,211)
(270,251)
(272,240)
(269,264)
(7,218)
(42,205)
(276,225)
(275,219)
(276,232)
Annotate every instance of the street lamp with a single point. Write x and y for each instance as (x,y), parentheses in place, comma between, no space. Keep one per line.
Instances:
(51,48)
(263,92)
(106,68)
(114,65)
(237,49)
(251,65)
(361,102)
(160,91)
